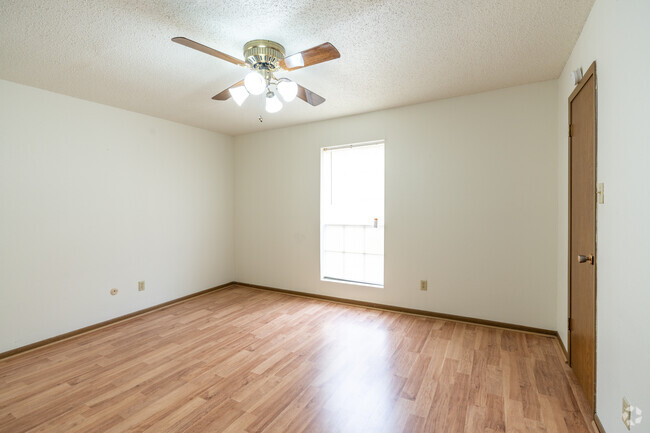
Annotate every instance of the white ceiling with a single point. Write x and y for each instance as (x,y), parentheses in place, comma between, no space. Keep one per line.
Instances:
(393,52)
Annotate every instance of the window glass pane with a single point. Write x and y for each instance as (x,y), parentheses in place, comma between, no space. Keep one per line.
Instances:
(333,238)
(354,242)
(374,267)
(333,262)
(374,240)
(353,267)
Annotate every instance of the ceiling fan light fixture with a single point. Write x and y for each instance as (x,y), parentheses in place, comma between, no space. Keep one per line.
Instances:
(239,94)
(263,58)
(287,89)
(273,104)
(254,83)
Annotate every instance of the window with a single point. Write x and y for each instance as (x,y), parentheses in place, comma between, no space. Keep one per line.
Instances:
(352,213)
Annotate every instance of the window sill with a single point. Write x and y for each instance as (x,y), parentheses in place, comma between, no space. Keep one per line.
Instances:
(353,283)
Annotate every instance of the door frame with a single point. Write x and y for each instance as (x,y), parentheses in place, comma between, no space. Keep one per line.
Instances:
(591,73)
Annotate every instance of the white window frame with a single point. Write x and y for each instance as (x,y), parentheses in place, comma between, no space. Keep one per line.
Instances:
(323,196)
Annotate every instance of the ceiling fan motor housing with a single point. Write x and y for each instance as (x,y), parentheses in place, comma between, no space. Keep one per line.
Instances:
(263,54)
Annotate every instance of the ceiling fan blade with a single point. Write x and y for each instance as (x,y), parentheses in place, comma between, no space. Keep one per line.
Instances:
(225,95)
(309,97)
(207,50)
(319,54)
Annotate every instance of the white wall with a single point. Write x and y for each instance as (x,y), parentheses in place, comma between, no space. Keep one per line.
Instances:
(471,205)
(617,36)
(93,197)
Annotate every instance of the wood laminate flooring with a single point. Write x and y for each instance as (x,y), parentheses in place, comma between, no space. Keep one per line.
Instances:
(249,360)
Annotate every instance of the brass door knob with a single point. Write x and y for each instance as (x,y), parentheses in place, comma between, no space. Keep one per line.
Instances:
(583,259)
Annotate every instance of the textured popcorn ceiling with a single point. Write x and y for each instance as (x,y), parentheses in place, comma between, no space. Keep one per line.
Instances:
(393,52)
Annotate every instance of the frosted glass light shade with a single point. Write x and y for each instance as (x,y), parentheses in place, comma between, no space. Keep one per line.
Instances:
(254,83)
(288,90)
(273,104)
(239,94)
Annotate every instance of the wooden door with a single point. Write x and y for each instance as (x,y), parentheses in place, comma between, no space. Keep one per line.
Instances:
(582,235)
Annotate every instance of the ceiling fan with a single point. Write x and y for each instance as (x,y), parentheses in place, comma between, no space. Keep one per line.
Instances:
(264,58)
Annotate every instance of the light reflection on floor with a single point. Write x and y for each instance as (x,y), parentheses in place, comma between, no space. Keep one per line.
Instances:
(356,382)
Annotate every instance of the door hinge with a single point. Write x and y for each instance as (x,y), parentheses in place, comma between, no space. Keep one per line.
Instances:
(569,324)
(571,130)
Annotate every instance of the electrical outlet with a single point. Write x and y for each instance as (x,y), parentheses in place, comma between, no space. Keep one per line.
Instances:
(632,415)
(113,292)
(627,413)
(423,285)
(140,286)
